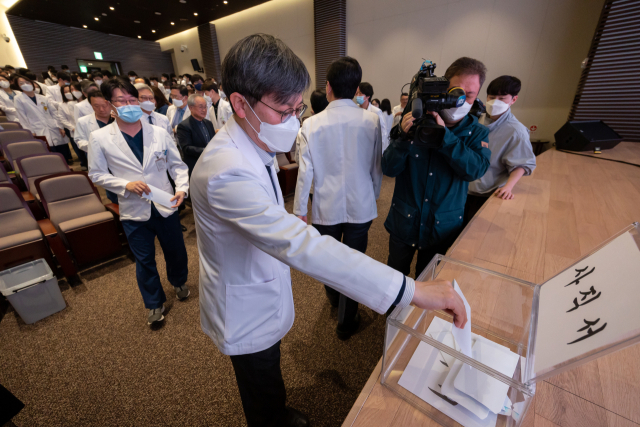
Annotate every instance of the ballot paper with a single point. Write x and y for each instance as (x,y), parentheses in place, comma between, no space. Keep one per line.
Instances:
(485,389)
(159,196)
(463,335)
(427,370)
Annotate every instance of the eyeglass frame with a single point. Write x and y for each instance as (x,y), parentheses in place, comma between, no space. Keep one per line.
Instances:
(285,114)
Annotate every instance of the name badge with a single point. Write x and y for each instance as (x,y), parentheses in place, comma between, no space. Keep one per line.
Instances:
(161,162)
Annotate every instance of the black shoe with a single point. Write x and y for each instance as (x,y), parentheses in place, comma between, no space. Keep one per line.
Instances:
(334,297)
(345,331)
(295,418)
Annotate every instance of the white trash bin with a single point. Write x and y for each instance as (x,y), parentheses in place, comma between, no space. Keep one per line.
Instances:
(32,290)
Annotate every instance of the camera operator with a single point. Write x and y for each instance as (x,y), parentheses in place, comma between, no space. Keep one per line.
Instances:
(431,180)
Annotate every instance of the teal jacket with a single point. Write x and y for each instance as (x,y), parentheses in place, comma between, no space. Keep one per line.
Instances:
(431,184)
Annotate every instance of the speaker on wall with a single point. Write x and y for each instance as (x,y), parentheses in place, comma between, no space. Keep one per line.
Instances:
(196,65)
(586,136)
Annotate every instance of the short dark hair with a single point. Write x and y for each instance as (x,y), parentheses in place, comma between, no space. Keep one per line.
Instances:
(107,73)
(123,84)
(208,85)
(95,94)
(31,75)
(9,67)
(165,75)
(318,101)
(184,91)
(385,105)
(366,89)
(196,77)
(153,78)
(64,67)
(96,74)
(51,68)
(467,66)
(344,76)
(62,75)
(504,85)
(132,73)
(260,65)
(404,94)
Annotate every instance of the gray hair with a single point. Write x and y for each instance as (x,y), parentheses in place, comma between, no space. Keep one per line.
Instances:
(141,86)
(262,64)
(191,101)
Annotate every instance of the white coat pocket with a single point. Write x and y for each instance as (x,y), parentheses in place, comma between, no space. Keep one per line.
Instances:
(252,312)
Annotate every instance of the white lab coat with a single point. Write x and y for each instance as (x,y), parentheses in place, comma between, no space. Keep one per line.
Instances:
(65,116)
(397,109)
(39,119)
(388,120)
(383,124)
(171,112)
(7,105)
(84,126)
(81,109)
(211,115)
(113,165)
(339,152)
(43,88)
(247,241)
(224,113)
(159,120)
(55,99)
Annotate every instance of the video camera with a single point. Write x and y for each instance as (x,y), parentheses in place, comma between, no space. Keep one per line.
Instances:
(430,93)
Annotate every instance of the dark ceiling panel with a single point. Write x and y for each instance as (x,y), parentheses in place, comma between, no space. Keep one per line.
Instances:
(121,20)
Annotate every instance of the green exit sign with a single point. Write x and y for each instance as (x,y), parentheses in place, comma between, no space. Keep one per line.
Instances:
(83,69)
(98,55)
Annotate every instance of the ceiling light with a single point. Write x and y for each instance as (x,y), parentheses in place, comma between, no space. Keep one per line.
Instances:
(139,37)
(173,23)
(153,31)
(84,26)
(225,2)
(104,14)
(137,22)
(158,13)
(112,8)
(195,14)
(96,18)
(183,1)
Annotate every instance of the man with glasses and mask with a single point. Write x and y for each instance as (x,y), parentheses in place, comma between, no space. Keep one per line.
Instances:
(128,157)
(178,111)
(248,241)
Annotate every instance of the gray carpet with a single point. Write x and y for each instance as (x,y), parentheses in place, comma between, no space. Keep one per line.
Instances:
(97,363)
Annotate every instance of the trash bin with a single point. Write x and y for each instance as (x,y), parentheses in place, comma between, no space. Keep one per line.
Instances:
(32,290)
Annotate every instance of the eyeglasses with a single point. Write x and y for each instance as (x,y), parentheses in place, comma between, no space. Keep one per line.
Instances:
(144,98)
(130,101)
(284,115)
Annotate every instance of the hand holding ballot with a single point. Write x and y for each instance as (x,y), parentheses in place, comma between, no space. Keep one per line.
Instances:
(440,295)
(138,187)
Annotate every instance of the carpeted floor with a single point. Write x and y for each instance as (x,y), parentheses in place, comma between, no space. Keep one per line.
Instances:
(97,363)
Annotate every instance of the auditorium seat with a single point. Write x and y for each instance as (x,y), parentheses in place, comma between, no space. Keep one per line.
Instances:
(4,176)
(21,240)
(8,137)
(288,175)
(21,149)
(72,203)
(9,126)
(36,166)
(3,119)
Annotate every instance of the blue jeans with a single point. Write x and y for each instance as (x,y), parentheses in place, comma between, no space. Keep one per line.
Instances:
(141,236)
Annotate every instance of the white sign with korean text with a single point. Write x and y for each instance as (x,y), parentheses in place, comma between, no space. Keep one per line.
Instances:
(593,303)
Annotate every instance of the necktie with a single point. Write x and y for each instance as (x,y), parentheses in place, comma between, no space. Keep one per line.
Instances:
(272,183)
(150,122)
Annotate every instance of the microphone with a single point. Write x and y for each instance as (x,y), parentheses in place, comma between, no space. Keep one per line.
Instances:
(416,108)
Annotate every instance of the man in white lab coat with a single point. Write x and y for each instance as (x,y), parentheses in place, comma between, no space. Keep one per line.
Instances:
(178,111)
(348,184)
(83,108)
(131,158)
(398,109)
(247,240)
(364,95)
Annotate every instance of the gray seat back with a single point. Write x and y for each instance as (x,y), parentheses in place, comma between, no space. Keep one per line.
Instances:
(7,137)
(69,197)
(14,217)
(20,149)
(34,167)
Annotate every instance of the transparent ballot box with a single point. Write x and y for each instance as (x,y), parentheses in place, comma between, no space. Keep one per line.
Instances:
(521,333)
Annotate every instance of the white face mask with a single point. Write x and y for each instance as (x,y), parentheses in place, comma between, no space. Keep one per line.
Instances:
(68,96)
(221,93)
(278,138)
(148,105)
(37,90)
(176,102)
(98,82)
(26,87)
(455,114)
(4,84)
(77,94)
(495,107)
(208,99)
(163,80)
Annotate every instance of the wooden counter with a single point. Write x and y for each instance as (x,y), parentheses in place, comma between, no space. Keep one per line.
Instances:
(568,206)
